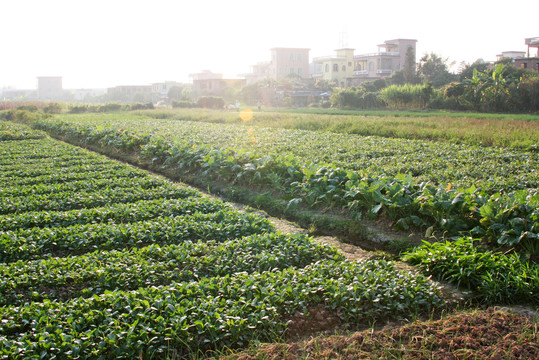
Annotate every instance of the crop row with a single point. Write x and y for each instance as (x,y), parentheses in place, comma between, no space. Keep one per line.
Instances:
(212,313)
(37,171)
(129,269)
(13,131)
(115,213)
(35,243)
(95,198)
(64,177)
(46,149)
(505,217)
(89,185)
(58,164)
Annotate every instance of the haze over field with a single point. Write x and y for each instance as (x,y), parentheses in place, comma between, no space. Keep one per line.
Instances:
(108,43)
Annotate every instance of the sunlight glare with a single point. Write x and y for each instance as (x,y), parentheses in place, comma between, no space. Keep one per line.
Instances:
(246,115)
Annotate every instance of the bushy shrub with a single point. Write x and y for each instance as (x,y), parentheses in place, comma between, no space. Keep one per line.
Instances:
(138,106)
(182,104)
(78,109)
(53,108)
(357,98)
(407,96)
(210,102)
(111,107)
(31,108)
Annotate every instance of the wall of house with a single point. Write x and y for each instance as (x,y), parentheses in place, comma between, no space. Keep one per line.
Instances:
(286,61)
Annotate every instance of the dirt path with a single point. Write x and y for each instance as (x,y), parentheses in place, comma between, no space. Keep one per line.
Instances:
(355,253)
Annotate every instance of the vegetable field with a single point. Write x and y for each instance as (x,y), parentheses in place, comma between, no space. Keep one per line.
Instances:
(434,187)
(99,259)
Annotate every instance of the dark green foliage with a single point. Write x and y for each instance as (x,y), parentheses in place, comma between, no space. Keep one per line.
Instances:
(494,277)
(129,269)
(357,98)
(212,313)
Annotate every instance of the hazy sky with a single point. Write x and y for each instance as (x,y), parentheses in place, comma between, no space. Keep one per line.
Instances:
(103,43)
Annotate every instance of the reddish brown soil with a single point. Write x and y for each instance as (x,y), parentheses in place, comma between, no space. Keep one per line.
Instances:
(484,334)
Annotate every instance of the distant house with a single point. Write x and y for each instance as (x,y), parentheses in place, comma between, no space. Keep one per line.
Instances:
(160,90)
(285,62)
(288,61)
(49,87)
(524,59)
(338,68)
(260,71)
(348,69)
(209,83)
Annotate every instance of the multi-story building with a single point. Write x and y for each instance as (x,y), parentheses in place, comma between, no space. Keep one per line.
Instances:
(348,69)
(260,71)
(288,61)
(338,68)
(49,87)
(160,90)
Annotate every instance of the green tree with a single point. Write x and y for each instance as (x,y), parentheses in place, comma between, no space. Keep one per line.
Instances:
(434,69)
(490,90)
(409,69)
(466,70)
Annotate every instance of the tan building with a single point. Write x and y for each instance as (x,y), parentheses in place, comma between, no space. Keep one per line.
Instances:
(288,61)
(49,87)
(338,68)
(349,69)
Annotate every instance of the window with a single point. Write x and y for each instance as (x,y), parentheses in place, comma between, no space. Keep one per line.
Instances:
(299,71)
(291,70)
(299,57)
(291,56)
(327,67)
(349,63)
(335,67)
(343,68)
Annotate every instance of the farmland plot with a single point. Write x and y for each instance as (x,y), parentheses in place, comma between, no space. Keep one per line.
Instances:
(99,259)
(440,187)
(439,162)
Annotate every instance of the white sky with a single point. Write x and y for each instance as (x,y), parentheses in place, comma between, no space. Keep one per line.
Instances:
(104,43)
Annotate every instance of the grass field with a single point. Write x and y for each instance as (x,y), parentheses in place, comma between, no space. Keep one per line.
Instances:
(516,131)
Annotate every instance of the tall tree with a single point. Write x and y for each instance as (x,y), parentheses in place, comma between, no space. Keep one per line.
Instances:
(434,69)
(409,69)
